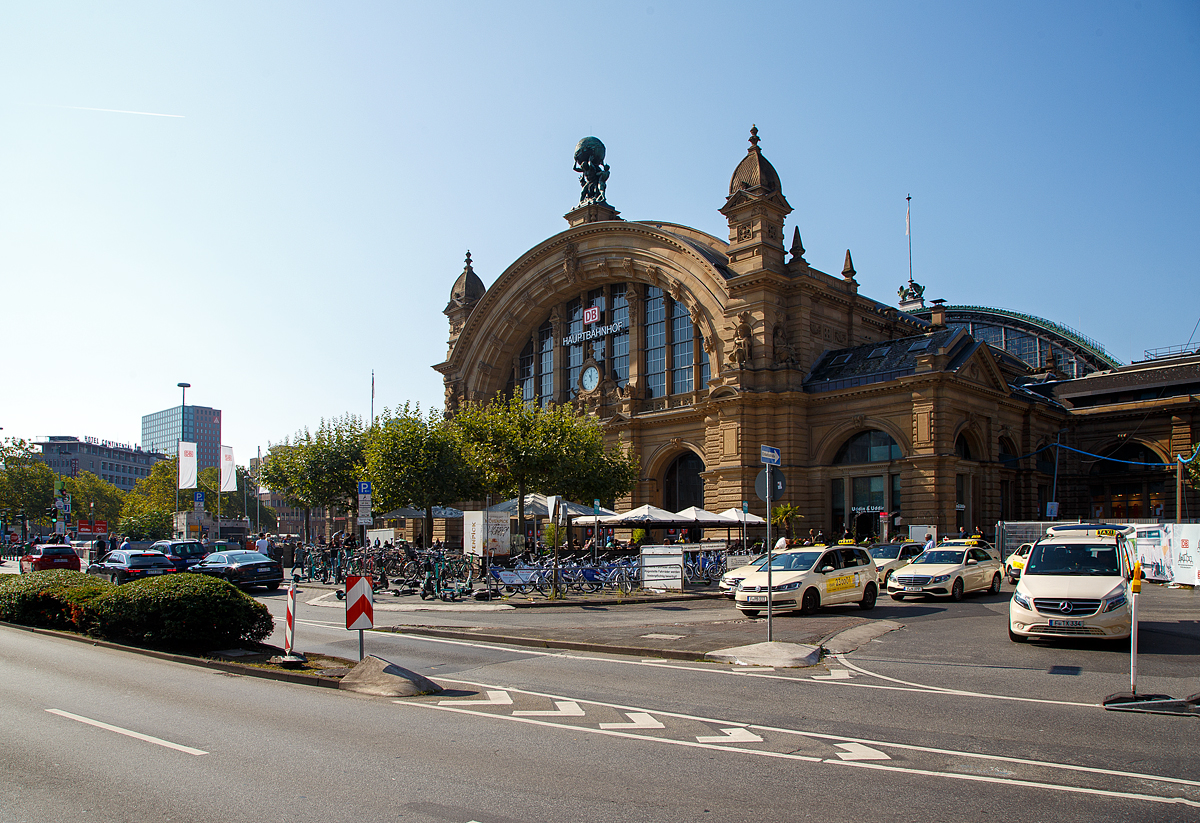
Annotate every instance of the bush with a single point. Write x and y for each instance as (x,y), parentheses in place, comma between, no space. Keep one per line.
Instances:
(57,599)
(183,611)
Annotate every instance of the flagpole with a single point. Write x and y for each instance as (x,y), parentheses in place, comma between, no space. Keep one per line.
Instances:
(372,397)
(908,231)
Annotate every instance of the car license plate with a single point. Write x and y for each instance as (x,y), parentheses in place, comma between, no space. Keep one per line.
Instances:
(154,571)
(913,589)
(757,598)
(1067,624)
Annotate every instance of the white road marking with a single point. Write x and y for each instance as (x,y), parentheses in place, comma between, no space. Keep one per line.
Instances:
(857,751)
(958,692)
(640,720)
(495,697)
(1011,781)
(834,674)
(736,734)
(612,732)
(664,636)
(563,708)
(720,669)
(723,670)
(128,733)
(842,738)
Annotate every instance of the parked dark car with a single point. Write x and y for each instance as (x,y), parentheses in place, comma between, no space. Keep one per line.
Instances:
(242,568)
(49,556)
(183,553)
(123,566)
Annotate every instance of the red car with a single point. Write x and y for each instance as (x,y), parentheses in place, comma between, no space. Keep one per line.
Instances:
(50,556)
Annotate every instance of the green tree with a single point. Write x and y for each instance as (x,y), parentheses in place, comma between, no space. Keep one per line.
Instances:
(235,505)
(154,524)
(26,483)
(785,516)
(154,492)
(518,448)
(418,460)
(319,469)
(88,488)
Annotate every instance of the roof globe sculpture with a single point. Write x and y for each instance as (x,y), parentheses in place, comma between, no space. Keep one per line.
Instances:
(593,171)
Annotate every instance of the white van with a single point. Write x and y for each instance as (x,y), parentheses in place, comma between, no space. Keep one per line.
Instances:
(1075,584)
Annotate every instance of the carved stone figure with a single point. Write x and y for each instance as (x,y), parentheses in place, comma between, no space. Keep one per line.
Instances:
(593,171)
(739,354)
(785,353)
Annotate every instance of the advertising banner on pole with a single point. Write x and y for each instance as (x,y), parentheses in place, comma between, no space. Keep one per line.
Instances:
(228,470)
(187,465)
(1154,553)
(1185,541)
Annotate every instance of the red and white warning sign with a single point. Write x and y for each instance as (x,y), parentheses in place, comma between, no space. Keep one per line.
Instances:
(360,606)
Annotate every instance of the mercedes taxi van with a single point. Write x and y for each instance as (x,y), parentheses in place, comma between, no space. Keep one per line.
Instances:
(1075,584)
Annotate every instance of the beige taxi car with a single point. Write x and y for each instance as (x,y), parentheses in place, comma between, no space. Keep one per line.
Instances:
(951,569)
(804,580)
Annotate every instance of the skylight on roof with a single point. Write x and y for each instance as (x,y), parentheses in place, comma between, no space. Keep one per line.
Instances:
(879,352)
(840,360)
(920,345)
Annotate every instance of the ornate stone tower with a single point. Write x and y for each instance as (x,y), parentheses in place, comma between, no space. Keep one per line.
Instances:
(465,293)
(755,209)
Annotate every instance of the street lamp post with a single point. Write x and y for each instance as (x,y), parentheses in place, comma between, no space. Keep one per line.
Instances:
(179,450)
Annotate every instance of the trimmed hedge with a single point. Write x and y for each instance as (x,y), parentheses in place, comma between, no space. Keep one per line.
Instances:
(58,599)
(190,612)
(184,611)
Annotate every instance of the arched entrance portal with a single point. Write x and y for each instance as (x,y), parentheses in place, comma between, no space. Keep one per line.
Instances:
(683,486)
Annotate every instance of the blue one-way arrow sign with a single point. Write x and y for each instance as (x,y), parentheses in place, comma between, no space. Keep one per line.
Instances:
(770,456)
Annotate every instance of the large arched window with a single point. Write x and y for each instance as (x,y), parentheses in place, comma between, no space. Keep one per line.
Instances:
(868,447)
(859,495)
(963,448)
(682,484)
(1008,454)
(1123,486)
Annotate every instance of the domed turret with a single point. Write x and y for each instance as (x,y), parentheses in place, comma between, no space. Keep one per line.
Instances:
(468,287)
(464,294)
(755,171)
(755,209)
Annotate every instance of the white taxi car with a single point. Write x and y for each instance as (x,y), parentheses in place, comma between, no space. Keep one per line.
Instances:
(891,556)
(805,579)
(729,581)
(1016,562)
(1076,583)
(953,567)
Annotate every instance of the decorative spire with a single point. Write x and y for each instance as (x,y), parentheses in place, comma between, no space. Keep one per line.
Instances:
(467,268)
(797,249)
(848,271)
(753,138)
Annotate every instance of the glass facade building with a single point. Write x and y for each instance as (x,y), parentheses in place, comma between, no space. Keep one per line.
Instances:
(162,431)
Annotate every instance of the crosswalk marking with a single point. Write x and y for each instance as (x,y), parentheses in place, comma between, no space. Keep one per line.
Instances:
(834,674)
(565,708)
(734,735)
(640,720)
(496,697)
(857,751)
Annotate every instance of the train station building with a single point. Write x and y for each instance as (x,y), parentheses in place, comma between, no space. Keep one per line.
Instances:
(694,350)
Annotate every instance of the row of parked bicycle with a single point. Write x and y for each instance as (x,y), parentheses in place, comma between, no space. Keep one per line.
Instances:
(436,575)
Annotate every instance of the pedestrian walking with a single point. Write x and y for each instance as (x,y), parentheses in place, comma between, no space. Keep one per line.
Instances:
(263,546)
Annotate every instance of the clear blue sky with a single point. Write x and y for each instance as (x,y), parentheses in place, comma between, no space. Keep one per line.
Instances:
(302,219)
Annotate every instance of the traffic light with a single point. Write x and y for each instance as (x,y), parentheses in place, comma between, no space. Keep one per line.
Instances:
(54,515)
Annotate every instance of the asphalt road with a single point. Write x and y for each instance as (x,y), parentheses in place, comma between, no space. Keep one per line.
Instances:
(935,721)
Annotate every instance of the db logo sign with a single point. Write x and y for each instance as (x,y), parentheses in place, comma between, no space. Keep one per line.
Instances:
(591,315)
(1183,543)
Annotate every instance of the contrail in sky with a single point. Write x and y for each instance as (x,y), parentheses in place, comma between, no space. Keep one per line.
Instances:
(116,111)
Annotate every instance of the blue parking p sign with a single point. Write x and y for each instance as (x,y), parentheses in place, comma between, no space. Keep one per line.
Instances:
(197,497)
(364,486)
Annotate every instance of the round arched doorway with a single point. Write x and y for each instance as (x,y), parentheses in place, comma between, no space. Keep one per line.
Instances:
(682,484)
(866,483)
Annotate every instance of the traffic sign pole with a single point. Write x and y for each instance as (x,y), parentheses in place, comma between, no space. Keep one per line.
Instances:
(770,593)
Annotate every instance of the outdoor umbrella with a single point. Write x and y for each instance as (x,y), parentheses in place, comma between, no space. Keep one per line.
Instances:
(408,513)
(699,517)
(642,516)
(739,516)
